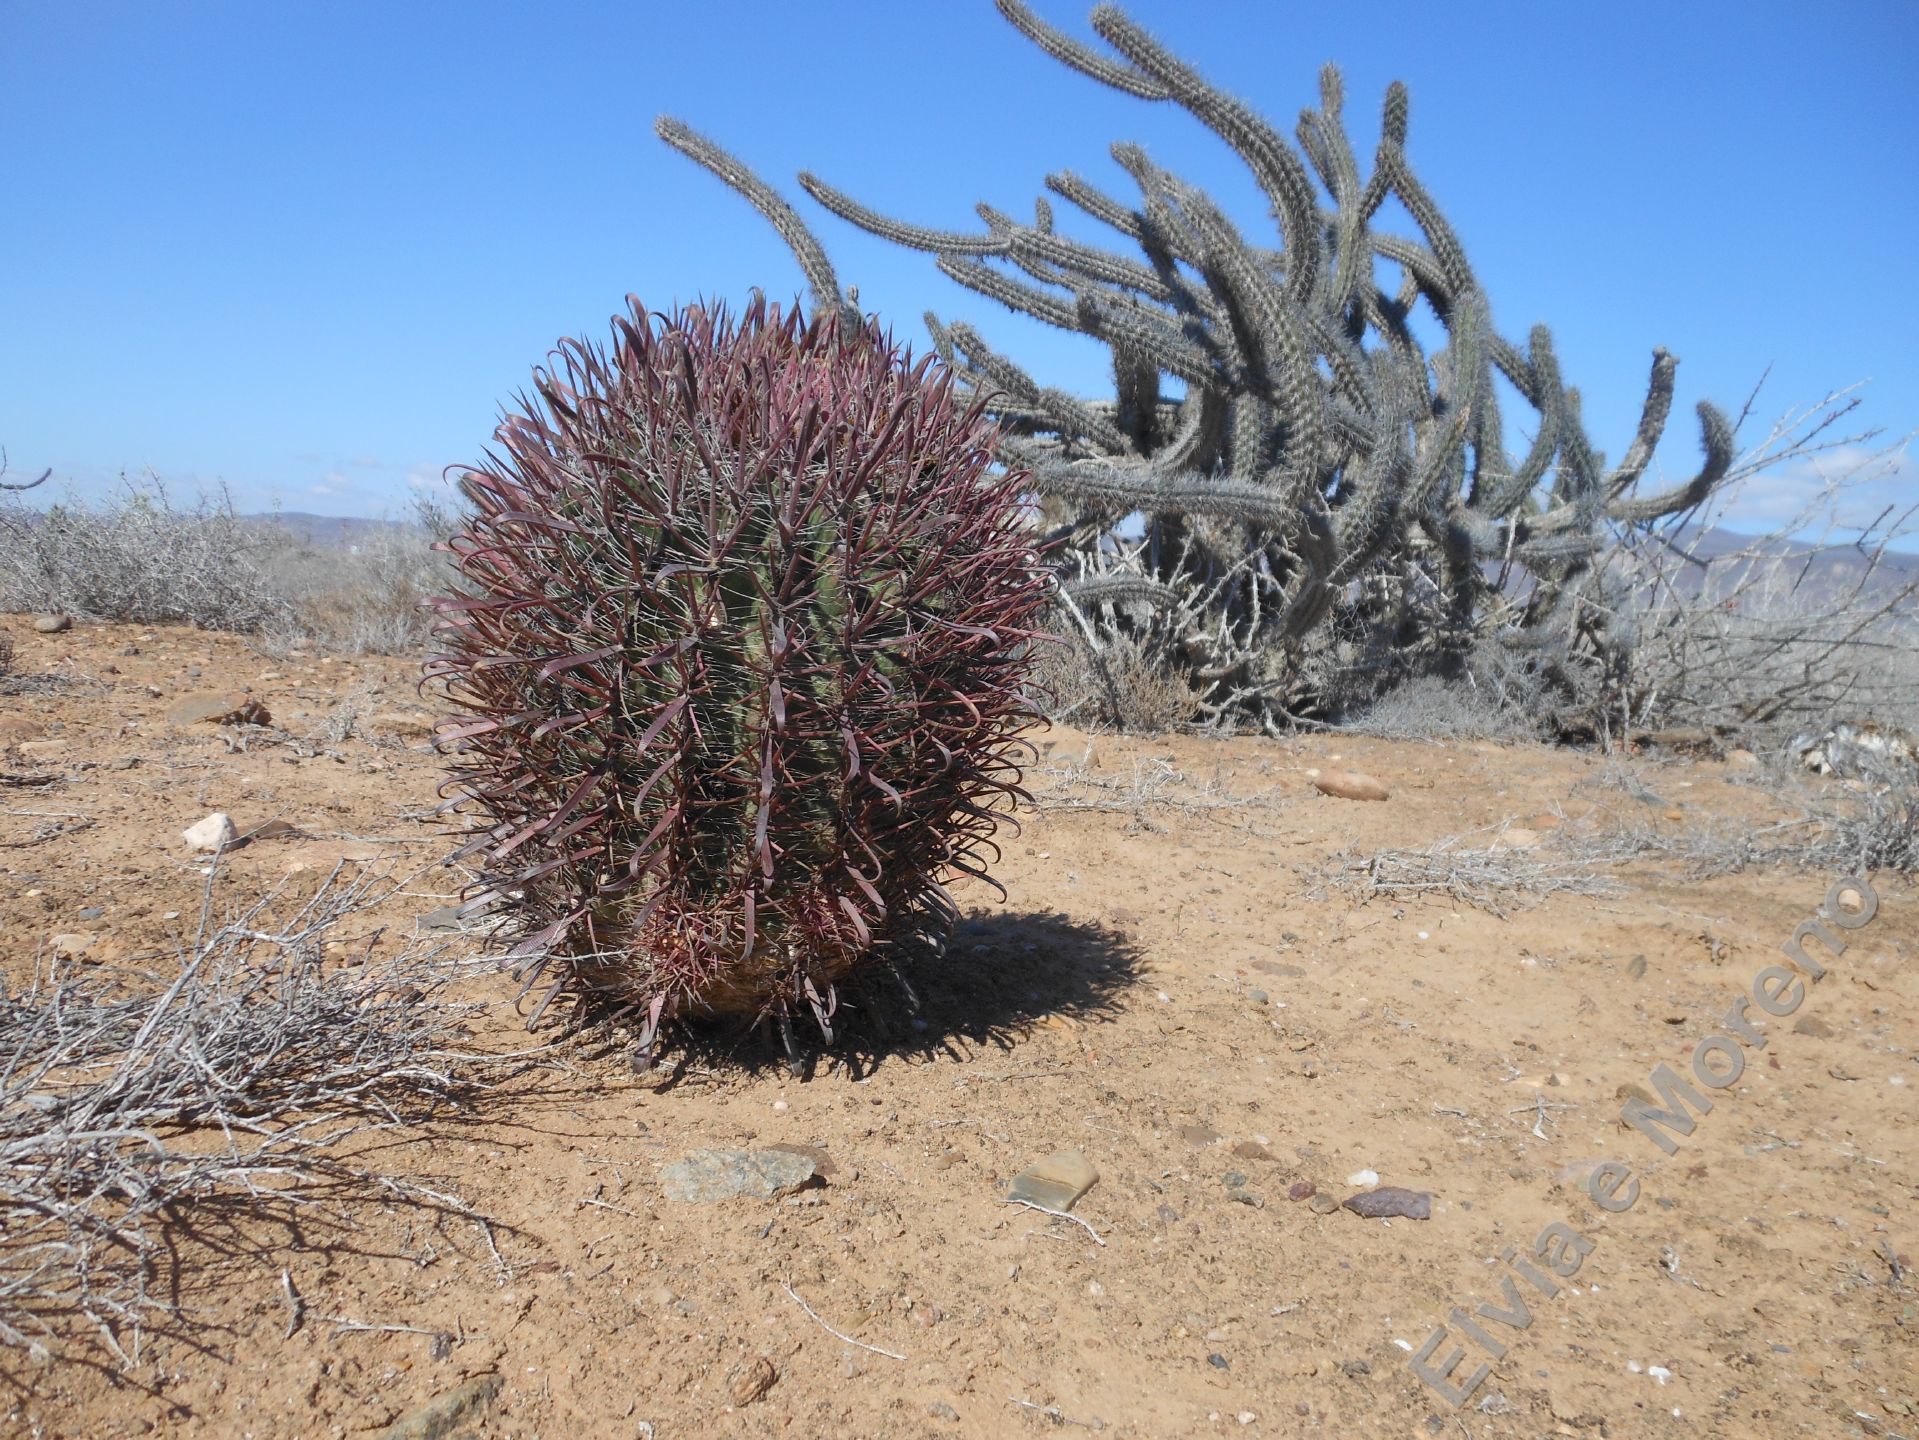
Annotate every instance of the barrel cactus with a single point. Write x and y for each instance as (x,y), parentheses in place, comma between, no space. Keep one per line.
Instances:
(742,643)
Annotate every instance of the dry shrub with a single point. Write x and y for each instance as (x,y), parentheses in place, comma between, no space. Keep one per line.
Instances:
(1119,685)
(364,599)
(140,1114)
(139,558)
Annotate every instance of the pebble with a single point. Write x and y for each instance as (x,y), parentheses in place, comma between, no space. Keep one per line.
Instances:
(1363,1177)
(1301,1190)
(1351,785)
(1253,1150)
(1197,1134)
(446,1414)
(749,1382)
(1812,1025)
(53,624)
(1258,997)
(705,1176)
(213,834)
(1391,1202)
(1323,1204)
(92,912)
(940,1410)
(1055,1183)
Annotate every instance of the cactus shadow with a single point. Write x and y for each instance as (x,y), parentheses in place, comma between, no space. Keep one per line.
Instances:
(996,979)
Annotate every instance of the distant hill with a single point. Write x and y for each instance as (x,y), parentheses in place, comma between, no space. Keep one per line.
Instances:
(343,531)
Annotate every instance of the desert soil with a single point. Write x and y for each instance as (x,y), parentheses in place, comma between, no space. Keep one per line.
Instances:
(1175,989)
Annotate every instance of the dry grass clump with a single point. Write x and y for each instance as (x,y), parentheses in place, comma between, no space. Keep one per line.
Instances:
(1118,685)
(1494,878)
(144,1116)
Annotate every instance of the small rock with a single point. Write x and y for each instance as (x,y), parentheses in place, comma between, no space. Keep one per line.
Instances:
(224,707)
(1351,785)
(1363,1177)
(1253,1150)
(73,944)
(1056,1183)
(1301,1190)
(1391,1202)
(1245,1197)
(1812,1025)
(446,1414)
(53,624)
(1323,1204)
(1197,1134)
(91,912)
(1234,1179)
(706,1176)
(1167,1214)
(747,1383)
(212,834)
(1258,997)
(1353,1369)
(940,1410)
(1636,967)
(1218,1361)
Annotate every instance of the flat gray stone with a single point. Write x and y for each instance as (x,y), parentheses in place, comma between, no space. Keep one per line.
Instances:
(1391,1202)
(443,1414)
(1056,1182)
(705,1176)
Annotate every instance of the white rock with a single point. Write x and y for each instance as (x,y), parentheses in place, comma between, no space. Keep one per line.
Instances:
(214,833)
(1363,1177)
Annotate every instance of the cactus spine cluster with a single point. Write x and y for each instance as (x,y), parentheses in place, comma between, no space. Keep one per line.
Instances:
(1323,496)
(744,620)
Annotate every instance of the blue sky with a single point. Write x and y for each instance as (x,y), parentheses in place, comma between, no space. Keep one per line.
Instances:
(308,251)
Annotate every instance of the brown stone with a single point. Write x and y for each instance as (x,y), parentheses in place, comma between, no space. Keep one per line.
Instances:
(1351,785)
(747,1383)
(1055,1183)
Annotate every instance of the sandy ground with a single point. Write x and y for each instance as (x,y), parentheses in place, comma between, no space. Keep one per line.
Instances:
(1176,991)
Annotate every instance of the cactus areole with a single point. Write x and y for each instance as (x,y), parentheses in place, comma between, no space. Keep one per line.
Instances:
(743,635)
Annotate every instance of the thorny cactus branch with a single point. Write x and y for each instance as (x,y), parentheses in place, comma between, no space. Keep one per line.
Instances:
(1325,498)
